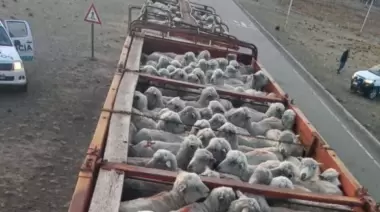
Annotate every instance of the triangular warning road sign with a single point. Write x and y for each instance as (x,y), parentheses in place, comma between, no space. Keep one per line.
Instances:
(92,16)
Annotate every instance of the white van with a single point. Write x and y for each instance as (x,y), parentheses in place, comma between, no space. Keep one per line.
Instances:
(16,46)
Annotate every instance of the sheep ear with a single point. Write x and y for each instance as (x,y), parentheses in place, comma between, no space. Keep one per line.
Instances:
(193,115)
(182,188)
(239,194)
(221,197)
(168,164)
(224,150)
(245,210)
(320,164)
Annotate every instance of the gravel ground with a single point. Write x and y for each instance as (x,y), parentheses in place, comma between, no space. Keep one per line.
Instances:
(317,33)
(45,133)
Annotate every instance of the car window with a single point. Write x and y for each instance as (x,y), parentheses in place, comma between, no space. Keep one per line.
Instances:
(377,72)
(17,29)
(4,38)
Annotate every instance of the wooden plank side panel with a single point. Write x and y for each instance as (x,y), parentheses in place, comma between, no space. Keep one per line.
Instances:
(109,184)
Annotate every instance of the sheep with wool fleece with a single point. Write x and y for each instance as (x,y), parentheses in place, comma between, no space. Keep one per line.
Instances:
(222,63)
(235,163)
(202,64)
(161,159)
(187,189)
(140,121)
(163,72)
(219,200)
(192,78)
(186,151)
(309,178)
(154,98)
(200,74)
(331,175)
(189,115)
(244,204)
(171,122)
(216,107)
(217,120)
(154,134)
(205,135)
(148,148)
(155,56)
(219,148)
(205,112)
(149,69)
(179,74)
(176,104)
(207,94)
(205,54)
(202,158)
(198,125)
(211,173)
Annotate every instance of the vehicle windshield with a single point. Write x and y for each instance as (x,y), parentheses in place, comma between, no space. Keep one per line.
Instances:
(375,70)
(4,38)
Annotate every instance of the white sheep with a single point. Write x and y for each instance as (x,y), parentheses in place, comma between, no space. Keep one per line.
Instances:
(192,78)
(163,72)
(205,54)
(219,148)
(198,125)
(216,77)
(231,56)
(171,69)
(149,69)
(148,148)
(288,119)
(141,121)
(260,80)
(212,64)
(171,122)
(154,134)
(140,102)
(228,131)
(176,63)
(188,69)
(216,107)
(163,159)
(309,178)
(187,150)
(206,113)
(222,63)
(232,72)
(217,120)
(219,200)
(202,64)
(239,116)
(207,94)
(275,110)
(258,156)
(200,74)
(331,175)
(187,189)
(236,163)
(202,158)
(211,173)
(176,104)
(244,204)
(163,62)
(205,135)
(261,176)
(189,115)
(154,98)
(179,74)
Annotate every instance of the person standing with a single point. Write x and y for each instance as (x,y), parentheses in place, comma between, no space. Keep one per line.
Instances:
(343,60)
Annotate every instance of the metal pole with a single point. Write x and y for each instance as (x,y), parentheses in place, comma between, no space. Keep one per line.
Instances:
(92,42)
(287,16)
(365,19)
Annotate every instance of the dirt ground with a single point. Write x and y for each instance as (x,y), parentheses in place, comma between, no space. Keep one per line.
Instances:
(317,33)
(44,133)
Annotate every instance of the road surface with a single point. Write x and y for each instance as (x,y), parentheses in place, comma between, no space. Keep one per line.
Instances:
(359,153)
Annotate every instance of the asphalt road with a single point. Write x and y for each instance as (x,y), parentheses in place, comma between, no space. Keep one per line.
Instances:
(359,153)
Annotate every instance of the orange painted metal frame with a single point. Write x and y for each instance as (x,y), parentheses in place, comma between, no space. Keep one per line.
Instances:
(308,135)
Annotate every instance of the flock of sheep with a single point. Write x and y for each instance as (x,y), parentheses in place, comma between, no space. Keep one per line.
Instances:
(167,12)
(208,136)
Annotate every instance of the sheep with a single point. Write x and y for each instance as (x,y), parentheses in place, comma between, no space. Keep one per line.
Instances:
(205,54)
(202,64)
(234,64)
(288,170)
(231,56)
(219,200)
(331,175)
(258,156)
(188,69)
(140,102)
(244,204)
(275,110)
(163,72)
(228,131)
(163,62)
(200,74)
(260,80)
(202,158)
(232,72)
(309,178)
(187,188)
(186,151)
(189,115)
(222,63)
(205,135)
(149,69)
(176,104)
(148,148)
(141,121)
(189,57)
(179,74)
(171,122)
(154,98)
(210,173)
(155,56)
(207,94)
(171,69)
(239,116)
(216,77)
(219,148)
(206,113)
(289,144)
(261,175)
(198,125)
(236,163)
(154,134)
(192,78)
(216,107)
(163,159)
(288,119)
(212,64)
(132,131)
(176,63)
(217,120)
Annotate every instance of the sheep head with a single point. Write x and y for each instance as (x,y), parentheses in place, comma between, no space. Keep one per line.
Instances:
(220,198)
(309,169)
(176,104)
(202,158)
(288,119)
(190,187)
(154,97)
(219,148)
(179,74)
(163,159)
(140,101)
(281,182)
(217,120)
(205,135)
(244,204)
(205,54)
(170,122)
(261,175)
(198,125)
(235,163)
(189,115)
(208,94)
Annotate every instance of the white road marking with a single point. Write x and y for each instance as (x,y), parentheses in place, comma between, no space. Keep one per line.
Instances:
(319,97)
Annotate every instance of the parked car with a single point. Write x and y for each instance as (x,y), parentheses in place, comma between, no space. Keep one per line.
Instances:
(367,82)
(16,46)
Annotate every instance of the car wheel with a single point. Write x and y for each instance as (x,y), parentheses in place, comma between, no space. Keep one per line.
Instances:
(372,94)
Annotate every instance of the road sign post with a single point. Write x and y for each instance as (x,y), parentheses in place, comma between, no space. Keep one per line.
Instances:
(93,18)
